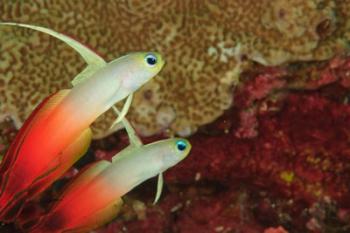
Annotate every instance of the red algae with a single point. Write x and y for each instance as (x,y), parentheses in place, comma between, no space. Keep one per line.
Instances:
(297,148)
(277,162)
(275,230)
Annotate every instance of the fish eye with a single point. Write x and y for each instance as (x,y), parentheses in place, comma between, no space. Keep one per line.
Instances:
(181,145)
(151,59)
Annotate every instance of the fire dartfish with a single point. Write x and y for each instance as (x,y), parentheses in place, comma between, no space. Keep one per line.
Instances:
(57,132)
(94,197)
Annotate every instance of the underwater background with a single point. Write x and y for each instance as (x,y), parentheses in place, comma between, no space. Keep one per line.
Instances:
(260,88)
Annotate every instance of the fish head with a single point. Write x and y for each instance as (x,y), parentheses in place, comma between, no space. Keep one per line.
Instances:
(169,152)
(139,68)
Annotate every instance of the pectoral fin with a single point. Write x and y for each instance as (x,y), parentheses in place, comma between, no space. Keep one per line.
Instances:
(133,138)
(124,111)
(159,188)
(94,61)
(85,74)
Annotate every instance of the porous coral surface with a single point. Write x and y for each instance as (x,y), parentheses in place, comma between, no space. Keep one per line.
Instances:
(202,42)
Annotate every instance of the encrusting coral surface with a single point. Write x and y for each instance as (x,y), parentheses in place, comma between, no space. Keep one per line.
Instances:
(206,45)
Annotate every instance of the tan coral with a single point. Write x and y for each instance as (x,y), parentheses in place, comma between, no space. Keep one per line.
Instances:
(200,40)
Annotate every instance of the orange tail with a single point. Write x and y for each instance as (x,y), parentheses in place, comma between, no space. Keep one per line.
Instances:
(14,183)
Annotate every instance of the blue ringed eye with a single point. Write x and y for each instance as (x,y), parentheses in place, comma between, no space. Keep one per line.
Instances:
(181,145)
(151,59)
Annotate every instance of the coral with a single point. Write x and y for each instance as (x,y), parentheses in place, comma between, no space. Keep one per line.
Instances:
(201,41)
(7,135)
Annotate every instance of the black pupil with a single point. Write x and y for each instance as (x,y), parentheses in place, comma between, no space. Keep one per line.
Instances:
(151,60)
(181,146)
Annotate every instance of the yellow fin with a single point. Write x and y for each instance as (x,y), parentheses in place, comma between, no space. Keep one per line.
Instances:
(85,74)
(94,61)
(133,138)
(159,188)
(124,111)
